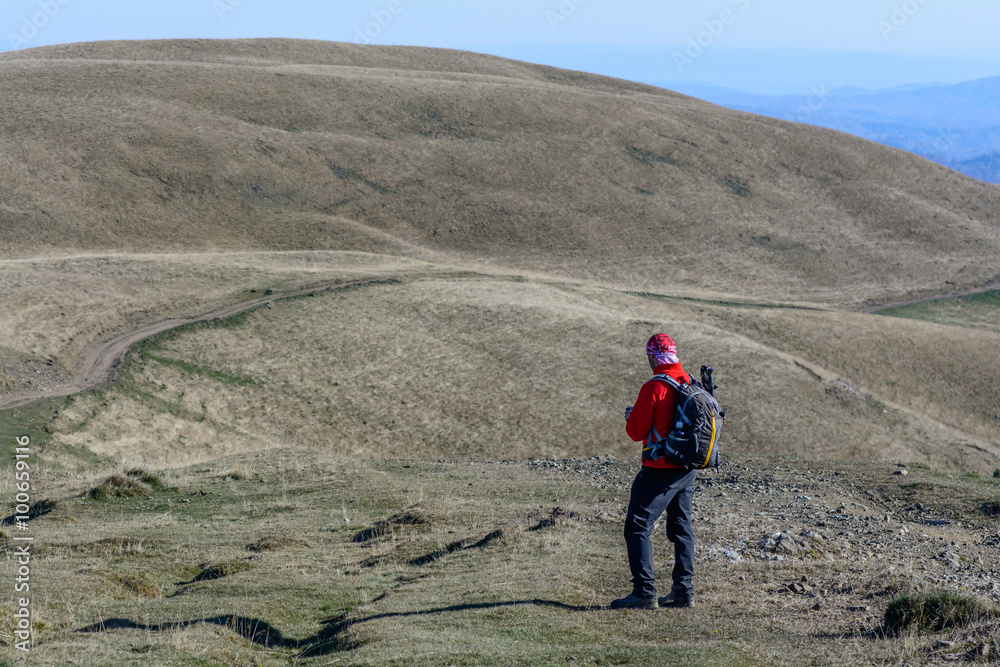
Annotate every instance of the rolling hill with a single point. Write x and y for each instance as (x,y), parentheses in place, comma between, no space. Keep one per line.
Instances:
(286,145)
(531,206)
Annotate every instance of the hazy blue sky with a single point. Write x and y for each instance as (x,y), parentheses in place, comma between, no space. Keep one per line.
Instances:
(954,29)
(966,28)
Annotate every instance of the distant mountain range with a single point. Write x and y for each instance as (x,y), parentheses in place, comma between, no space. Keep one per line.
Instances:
(954,125)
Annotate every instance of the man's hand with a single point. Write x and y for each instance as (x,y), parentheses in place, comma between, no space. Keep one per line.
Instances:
(628,411)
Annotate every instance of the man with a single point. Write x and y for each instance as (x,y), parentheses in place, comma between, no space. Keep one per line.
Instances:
(660,486)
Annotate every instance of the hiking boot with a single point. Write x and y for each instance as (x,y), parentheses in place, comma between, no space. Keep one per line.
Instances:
(633,601)
(675,602)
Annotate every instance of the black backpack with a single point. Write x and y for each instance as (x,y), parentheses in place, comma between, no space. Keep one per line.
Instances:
(693,441)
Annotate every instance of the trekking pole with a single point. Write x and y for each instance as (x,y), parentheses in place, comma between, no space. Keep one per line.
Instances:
(707,379)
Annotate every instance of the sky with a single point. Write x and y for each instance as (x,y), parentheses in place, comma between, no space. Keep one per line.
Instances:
(955,30)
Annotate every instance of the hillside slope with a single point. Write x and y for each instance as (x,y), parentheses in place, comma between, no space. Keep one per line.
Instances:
(279,144)
(506,368)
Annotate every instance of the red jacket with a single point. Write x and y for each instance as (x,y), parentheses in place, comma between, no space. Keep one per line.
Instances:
(655,408)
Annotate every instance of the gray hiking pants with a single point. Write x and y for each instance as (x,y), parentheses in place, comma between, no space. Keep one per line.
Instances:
(655,491)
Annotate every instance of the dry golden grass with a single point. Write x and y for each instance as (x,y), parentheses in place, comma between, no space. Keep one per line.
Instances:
(502,368)
(290,145)
(56,308)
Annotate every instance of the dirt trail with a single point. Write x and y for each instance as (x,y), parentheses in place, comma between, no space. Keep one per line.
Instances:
(102,360)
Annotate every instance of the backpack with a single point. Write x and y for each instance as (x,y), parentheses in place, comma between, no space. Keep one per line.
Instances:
(693,442)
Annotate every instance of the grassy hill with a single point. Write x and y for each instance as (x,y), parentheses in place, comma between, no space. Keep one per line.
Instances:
(282,145)
(538,210)
(397,472)
(510,368)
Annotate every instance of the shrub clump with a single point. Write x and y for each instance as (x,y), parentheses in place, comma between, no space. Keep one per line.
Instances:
(135,482)
(223,569)
(151,479)
(119,486)
(934,611)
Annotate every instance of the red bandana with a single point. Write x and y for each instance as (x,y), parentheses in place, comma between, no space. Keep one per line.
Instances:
(663,348)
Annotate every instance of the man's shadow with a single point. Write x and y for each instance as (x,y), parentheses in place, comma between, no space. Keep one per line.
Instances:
(330,639)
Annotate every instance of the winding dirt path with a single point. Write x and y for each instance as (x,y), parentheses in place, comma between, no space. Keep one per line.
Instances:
(101,362)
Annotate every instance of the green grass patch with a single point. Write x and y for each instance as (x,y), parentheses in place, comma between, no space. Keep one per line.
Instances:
(194,369)
(975,310)
(935,611)
(991,299)
(173,574)
(134,585)
(32,421)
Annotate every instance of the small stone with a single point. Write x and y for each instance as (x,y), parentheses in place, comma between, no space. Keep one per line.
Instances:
(732,555)
(859,608)
(786,544)
(816,607)
(981,651)
(941,644)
